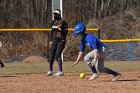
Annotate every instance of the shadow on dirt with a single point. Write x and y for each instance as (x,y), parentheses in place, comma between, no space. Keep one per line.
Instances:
(5,76)
(125,80)
(129,80)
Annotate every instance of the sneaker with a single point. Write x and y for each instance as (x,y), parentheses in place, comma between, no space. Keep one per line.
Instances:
(49,73)
(59,73)
(116,77)
(94,76)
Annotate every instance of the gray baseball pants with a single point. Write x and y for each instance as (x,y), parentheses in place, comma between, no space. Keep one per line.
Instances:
(101,57)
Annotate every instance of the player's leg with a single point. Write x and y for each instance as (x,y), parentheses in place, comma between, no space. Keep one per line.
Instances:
(101,67)
(88,59)
(60,48)
(52,57)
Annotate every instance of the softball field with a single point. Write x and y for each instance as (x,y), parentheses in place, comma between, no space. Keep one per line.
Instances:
(31,78)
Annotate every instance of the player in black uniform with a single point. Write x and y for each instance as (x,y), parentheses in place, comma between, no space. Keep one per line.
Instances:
(58,40)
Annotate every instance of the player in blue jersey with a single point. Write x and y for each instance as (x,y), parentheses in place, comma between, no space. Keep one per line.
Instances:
(95,58)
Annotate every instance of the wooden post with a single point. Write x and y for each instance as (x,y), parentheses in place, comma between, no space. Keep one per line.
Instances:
(99,34)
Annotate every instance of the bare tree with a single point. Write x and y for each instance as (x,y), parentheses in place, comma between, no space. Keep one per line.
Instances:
(38,14)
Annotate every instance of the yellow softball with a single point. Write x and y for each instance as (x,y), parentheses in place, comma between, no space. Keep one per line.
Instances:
(82,75)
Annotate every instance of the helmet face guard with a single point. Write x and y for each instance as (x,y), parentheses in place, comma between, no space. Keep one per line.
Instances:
(79,36)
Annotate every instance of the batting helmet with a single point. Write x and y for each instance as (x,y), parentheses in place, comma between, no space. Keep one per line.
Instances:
(79,28)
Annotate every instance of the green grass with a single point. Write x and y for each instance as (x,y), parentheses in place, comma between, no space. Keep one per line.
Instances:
(124,65)
(42,67)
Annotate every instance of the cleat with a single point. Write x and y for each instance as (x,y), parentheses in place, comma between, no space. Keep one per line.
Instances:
(59,73)
(94,76)
(49,73)
(116,77)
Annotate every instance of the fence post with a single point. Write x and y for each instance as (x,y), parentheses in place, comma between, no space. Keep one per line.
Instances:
(48,46)
(99,34)
(129,51)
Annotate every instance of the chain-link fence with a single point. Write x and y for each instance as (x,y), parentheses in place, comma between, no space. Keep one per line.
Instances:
(123,51)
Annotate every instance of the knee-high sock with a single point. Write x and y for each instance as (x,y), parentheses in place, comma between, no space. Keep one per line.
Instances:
(109,71)
(51,66)
(60,65)
(92,67)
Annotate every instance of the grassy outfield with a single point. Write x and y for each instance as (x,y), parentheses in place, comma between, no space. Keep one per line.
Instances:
(42,67)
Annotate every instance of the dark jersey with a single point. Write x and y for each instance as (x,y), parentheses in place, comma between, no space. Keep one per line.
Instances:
(59,34)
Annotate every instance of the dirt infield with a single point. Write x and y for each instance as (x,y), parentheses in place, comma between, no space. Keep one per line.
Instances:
(69,83)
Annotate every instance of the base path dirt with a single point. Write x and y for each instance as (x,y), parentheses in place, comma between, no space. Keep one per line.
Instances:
(69,83)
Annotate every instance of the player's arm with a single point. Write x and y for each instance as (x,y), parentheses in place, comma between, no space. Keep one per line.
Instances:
(62,23)
(51,33)
(95,54)
(93,42)
(82,48)
(59,26)
(78,58)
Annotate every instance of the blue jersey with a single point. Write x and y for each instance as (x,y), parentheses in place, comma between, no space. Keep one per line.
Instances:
(91,41)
